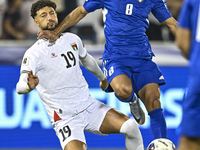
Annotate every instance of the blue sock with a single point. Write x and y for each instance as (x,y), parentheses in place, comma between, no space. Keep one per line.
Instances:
(131,99)
(158,124)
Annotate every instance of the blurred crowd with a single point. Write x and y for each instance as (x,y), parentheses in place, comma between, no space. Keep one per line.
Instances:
(16,23)
(158,31)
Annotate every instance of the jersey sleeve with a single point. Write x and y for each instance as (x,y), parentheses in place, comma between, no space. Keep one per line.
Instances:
(92,5)
(31,61)
(185,15)
(160,10)
(28,63)
(81,47)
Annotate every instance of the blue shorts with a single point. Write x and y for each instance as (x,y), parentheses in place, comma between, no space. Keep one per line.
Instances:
(190,125)
(140,71)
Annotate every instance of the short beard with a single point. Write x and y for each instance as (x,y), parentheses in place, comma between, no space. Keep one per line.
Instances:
(51,29)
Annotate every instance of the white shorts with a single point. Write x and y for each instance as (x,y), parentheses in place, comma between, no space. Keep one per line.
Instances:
(90,119)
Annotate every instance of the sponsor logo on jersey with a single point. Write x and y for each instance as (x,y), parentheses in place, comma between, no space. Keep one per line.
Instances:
(74,46)
(140,1)
(53,55)
(161,78)
(56,117)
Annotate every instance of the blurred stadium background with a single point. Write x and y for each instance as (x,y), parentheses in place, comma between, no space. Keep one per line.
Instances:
(24,123)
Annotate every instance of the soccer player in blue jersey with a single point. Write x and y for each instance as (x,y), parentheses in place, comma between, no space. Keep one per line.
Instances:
(188,40)
(127,59)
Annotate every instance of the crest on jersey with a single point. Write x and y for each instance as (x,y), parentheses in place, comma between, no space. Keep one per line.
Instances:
(25,61)
(74,46)
(140,1)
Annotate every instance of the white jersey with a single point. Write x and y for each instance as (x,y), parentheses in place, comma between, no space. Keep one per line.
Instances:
(62,86)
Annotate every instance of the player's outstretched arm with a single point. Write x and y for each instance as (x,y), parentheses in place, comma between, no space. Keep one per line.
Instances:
(171,23)
(27,83)
(74,17)
(183,38)
(91,65)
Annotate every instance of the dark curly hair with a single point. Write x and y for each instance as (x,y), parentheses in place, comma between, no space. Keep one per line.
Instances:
(39,5)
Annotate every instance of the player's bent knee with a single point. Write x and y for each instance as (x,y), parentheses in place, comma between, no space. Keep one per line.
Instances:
(130,129)
(124,93)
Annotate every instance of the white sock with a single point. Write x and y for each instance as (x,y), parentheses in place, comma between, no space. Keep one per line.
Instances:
(133,137)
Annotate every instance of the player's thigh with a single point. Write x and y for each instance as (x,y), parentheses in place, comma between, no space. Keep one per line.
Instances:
(113,121)
(121,81)
(75,145)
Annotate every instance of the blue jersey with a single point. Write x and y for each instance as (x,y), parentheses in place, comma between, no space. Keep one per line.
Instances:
(190,18)
(126,22)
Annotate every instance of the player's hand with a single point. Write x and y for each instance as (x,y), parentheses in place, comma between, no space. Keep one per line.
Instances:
(103,84)
(51,35)
(32,80)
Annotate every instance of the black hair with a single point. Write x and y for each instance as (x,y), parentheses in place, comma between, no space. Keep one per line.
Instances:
(39,5)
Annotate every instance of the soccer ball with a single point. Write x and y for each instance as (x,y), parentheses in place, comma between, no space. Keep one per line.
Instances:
(161,144)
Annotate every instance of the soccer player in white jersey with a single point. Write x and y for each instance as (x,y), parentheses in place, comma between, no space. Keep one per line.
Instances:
(53,69)
(127,57)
